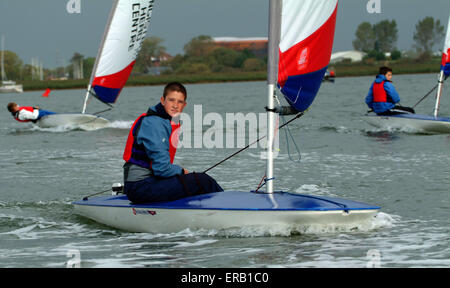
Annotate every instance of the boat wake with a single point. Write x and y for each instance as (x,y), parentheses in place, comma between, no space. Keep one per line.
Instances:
(72,127)
(120,124)
(374,130)
(389,129)
(381,220)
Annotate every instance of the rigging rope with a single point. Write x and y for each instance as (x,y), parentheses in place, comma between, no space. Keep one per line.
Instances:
(254,142)
(428,94)
(286,132)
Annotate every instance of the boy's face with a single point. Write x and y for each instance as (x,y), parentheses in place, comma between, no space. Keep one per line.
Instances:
(174,103)
(388,75)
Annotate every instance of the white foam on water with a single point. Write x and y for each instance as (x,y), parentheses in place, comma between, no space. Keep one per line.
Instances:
(390,129)
(313,189)
(120,124)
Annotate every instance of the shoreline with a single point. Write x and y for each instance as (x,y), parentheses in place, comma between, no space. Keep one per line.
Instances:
(405,66)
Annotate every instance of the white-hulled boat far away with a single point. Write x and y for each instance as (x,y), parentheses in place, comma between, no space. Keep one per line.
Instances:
(420,122)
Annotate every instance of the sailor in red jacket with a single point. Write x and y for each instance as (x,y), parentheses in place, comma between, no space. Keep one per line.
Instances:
(149,172)
(382,98)
(27,113)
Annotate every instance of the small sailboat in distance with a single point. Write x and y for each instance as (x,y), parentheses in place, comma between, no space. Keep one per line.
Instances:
(7,86)
(122,40)
(420,122)
(300,35)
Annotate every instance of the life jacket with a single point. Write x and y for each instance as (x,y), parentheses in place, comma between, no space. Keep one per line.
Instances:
(379,94)
(28,108)
(135,153)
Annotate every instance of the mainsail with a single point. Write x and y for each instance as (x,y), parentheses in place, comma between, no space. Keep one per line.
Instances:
(445,66)
(306,42)
(301,37)
(445,70)
(122,40)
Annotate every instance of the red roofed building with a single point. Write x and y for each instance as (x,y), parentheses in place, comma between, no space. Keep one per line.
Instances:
(257,45)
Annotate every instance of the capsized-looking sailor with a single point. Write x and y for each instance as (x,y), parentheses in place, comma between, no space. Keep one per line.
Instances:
(27,113)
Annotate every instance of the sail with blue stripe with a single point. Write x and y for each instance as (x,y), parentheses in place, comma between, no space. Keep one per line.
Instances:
(306,43)
(445,65)
(122,40)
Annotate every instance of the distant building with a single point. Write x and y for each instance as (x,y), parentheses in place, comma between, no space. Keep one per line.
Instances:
(157,62)
(164,57)
(257,45)
(353,56)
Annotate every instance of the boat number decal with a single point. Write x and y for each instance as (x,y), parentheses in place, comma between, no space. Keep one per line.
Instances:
(143,212)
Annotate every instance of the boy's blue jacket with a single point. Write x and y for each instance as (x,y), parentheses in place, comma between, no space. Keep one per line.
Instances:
(393,97)
(154,134)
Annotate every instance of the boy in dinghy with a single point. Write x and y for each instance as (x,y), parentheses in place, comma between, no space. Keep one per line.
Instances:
(149,172)
(382,97)
(27,113)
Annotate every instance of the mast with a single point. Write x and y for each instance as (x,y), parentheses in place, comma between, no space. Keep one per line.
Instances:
(275,7)
(3,59)
(94,70)
(442,74)
(439,93)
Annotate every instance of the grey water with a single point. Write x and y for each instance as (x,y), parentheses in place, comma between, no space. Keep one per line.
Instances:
(407,173)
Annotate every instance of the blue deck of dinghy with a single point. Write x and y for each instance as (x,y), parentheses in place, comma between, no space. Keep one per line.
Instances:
(236,200)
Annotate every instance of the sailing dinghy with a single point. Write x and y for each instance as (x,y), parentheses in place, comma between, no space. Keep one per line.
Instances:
(122,40)
(7,86)
(420,122)
(300,35)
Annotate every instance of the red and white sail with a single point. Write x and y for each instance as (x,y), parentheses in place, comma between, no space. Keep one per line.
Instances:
(126,30)
(306,43)
(445,66)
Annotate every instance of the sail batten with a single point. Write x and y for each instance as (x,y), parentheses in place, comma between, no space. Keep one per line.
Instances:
(122,40)
(306,42)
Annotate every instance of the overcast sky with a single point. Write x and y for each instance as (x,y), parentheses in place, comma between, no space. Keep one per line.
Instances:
(44,28)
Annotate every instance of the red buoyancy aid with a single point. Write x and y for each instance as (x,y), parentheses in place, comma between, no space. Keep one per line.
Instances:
(136,154)
(28,108)
(379,94)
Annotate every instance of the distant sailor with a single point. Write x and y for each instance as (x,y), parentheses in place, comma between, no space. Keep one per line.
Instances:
(27,113)
(149,172)
(382,97)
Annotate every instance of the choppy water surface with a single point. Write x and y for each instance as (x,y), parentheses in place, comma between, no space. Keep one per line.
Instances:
(407,173)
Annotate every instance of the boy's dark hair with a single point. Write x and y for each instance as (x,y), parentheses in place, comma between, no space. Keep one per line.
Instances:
(175,86)
(384,70)
(11,106)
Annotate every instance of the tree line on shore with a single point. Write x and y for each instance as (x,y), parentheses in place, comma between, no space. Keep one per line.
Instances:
(380,39)
(202,55)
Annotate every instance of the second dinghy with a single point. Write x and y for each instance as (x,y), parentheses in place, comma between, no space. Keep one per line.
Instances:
(122,40)
(420,122)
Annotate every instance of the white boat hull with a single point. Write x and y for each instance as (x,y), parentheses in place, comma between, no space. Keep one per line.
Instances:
(225,210)
(11,89)
(85,121)
(410,122)
(170,221)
